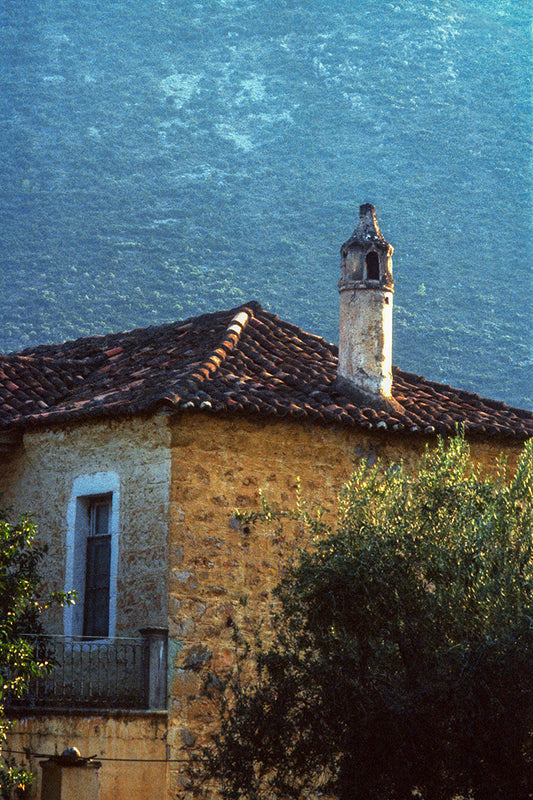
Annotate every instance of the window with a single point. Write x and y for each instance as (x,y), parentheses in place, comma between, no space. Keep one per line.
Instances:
(372,266)
(92,555)
(97,568)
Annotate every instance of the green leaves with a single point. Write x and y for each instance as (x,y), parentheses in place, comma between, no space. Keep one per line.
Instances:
(21,604)
(403,653)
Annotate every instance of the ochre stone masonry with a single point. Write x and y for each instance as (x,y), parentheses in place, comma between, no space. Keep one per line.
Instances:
(221,575)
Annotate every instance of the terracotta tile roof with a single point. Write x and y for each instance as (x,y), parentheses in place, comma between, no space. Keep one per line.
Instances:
(245,360)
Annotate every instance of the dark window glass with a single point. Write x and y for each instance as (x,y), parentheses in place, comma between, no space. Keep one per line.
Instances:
(372,266)
(97,571)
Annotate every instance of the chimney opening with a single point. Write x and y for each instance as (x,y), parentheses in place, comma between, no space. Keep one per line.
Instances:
(372,266)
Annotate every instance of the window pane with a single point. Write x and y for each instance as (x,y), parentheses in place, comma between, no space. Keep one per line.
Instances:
(96,607)
(99,516)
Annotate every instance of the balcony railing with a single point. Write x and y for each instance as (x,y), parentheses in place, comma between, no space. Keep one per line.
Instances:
(119,673)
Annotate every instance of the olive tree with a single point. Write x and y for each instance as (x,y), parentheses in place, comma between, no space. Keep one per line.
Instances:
(401,663)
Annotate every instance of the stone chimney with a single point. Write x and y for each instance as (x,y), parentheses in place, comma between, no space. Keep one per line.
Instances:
(365,329)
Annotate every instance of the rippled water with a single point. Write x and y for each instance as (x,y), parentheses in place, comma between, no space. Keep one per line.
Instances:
(165,158)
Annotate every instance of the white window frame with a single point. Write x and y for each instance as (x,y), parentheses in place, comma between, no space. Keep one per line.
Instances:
(84,488)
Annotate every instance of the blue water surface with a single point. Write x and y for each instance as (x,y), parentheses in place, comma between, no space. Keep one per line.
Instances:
(165,158)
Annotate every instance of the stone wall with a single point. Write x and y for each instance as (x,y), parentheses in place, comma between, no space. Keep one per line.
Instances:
(220,573)
(39,479)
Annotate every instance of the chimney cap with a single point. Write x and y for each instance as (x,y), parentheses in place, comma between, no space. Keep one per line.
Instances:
(367,233)
(366,257)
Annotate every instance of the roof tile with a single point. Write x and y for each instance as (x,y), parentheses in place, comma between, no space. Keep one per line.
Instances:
(245,360)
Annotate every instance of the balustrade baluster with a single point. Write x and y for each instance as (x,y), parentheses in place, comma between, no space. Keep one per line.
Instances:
(87,673)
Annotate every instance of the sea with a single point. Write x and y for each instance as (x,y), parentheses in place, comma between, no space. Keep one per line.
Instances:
(161,158)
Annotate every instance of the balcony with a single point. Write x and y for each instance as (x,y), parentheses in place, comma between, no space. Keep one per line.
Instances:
(87,673)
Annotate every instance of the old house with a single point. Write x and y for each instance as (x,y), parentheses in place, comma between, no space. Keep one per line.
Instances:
(132,450)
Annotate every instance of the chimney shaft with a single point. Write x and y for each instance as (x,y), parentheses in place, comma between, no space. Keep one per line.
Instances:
(365,329)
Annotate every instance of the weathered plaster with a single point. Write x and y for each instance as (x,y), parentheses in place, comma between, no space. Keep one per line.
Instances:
(43,477)
(132,747)
(365,339)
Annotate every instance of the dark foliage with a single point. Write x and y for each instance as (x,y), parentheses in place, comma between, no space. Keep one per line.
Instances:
(402,660)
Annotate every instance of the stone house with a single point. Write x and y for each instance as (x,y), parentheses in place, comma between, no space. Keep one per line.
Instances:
(132,451)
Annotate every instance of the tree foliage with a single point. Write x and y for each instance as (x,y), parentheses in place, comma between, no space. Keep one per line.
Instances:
(402,659)
(21,606)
